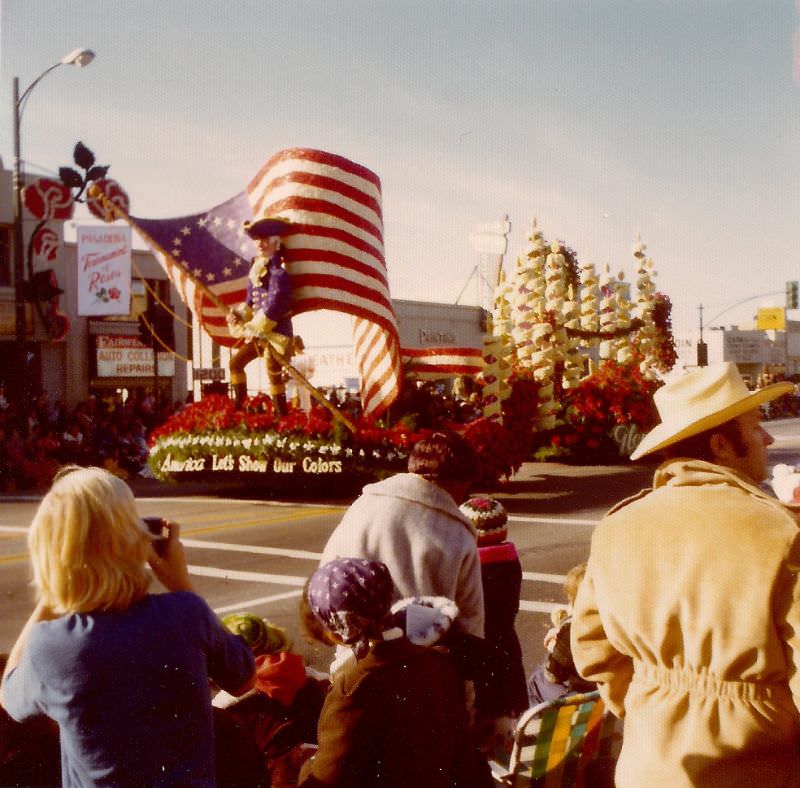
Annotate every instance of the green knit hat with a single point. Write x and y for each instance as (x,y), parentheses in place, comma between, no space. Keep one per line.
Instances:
(261,636)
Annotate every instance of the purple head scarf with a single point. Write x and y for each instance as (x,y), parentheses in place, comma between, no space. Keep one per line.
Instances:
(352,597)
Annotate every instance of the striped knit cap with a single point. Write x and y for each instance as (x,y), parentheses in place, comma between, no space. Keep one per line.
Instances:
(262,636)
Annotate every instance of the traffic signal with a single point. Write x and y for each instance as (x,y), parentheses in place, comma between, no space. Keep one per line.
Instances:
(702,354)
(145,337)
(163,326)
(791,295)
(156,327)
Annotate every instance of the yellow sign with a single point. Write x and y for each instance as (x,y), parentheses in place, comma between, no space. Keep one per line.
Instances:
(773,317)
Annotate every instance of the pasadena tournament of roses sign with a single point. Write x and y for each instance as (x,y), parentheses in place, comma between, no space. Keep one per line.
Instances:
(104,271)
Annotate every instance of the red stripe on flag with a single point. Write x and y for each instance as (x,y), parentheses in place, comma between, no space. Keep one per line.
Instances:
(337,305)
(327,183)
(296,257)
(338,282)
(315,205)
(317,157)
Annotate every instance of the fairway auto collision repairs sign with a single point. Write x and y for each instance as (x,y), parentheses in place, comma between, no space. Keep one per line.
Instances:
(127,357)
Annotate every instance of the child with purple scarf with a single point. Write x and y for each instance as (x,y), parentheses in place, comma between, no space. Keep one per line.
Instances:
(396,714)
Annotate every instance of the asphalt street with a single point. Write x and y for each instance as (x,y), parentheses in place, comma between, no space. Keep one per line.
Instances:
(250,554)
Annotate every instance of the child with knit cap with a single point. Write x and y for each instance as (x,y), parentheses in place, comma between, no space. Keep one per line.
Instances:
(501,694)
(282,711)
(396,714)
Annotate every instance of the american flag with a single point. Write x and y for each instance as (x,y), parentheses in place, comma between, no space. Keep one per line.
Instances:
(334,256)
(433,363)
(205,251)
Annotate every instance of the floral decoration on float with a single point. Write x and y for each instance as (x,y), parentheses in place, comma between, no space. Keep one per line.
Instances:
(304,452)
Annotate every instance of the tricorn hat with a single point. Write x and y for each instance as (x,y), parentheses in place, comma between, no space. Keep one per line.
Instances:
(703,398)
(267,227)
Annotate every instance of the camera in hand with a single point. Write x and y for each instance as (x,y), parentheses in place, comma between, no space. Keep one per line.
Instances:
(158,528)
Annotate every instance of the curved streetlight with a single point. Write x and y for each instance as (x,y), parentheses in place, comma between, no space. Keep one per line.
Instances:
(79,58)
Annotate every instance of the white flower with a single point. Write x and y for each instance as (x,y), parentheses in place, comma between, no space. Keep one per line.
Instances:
(348,452)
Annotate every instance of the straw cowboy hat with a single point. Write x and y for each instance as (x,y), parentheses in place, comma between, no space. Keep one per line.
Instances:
(701,399)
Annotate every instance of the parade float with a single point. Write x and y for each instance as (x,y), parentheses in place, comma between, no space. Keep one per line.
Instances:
(212,441)
(568,367)
(331,247)
(569,361)
(577,356)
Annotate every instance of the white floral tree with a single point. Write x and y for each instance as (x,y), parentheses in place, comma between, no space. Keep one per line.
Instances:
(623,346)
(589,305)
(528,296)
(645,308)
(608,313)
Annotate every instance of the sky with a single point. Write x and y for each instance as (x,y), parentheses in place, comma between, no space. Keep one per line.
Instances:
(676,120)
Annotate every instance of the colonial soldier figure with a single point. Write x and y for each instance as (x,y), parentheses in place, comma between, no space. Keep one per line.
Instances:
(263,322)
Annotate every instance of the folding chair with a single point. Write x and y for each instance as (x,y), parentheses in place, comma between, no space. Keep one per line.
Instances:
(571,741)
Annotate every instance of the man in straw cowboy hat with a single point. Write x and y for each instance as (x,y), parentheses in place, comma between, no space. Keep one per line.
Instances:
(263,320)
(689,615)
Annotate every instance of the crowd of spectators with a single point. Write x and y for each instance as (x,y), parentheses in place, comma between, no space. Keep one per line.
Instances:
(107,433)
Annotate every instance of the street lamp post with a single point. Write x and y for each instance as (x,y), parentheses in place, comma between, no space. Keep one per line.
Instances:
(79,58)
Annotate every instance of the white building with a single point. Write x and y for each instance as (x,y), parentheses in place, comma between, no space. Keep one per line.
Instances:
(755,352)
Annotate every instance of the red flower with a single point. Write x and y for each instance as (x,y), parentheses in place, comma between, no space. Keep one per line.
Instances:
(48,199)
(114,193)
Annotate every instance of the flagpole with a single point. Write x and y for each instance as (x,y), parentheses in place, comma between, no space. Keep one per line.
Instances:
(96,192)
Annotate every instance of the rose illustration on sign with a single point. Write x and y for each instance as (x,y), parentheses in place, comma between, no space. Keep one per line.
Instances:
(106,296)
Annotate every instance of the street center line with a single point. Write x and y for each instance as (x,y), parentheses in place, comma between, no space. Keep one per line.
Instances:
(539,607)
(252,577)
(541,577)
(551,520)
(242,501)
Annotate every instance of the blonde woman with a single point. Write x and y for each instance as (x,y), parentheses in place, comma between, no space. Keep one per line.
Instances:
(124,673)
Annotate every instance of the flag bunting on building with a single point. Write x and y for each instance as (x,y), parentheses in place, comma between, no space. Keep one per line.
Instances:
(334,255)
(433,363)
